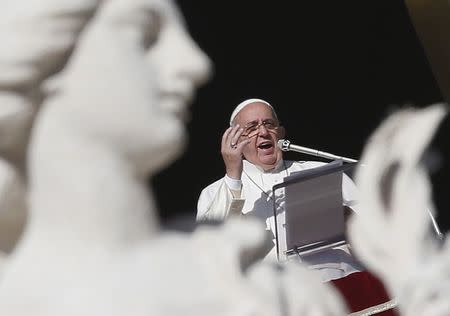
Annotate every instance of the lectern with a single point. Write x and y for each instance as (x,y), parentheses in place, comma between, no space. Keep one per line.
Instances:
(309,212)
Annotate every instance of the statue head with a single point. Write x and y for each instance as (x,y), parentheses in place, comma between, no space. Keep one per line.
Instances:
(127,68)
(118,73)
(129,80)
(36,43)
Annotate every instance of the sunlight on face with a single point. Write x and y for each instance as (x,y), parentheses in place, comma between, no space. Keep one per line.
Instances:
(262,150)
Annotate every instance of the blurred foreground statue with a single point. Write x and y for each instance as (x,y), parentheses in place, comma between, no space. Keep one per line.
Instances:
(35,43)
(111,80)
(394,235)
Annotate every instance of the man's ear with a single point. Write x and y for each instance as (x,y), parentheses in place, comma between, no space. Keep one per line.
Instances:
(281,132)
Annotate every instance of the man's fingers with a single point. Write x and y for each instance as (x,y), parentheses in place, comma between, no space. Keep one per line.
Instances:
(242,144)
(231,146)
(233,132)
(235,138)
(230,139)
(225,136)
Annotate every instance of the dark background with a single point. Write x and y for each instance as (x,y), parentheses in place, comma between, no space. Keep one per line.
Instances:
(332,69)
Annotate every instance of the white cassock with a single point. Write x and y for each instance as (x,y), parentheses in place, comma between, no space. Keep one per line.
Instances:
(217,202)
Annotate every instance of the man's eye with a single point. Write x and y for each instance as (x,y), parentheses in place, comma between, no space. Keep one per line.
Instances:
(269,124)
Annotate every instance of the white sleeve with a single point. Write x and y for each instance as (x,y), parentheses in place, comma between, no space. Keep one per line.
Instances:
(233,184)
(216,202)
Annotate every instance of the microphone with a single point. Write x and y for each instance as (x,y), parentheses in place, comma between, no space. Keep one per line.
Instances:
(286,145)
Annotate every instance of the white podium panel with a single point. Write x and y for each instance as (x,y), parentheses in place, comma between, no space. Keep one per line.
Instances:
(310,216)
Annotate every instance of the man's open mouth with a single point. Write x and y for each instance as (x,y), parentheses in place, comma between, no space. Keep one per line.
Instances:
(265,145)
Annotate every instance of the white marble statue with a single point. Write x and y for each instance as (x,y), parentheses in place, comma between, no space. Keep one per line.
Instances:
(12,207)
(112,88)
(394,236)
(35,42)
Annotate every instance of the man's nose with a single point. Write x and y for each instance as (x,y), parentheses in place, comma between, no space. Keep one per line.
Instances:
(262,130)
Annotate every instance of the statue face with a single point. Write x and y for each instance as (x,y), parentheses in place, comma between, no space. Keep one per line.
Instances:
(180,63)
(130,79)
(180,66)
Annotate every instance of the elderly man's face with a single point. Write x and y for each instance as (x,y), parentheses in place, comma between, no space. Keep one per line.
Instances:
(262,128)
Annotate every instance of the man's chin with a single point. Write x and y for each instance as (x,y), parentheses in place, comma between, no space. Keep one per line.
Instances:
(268,163)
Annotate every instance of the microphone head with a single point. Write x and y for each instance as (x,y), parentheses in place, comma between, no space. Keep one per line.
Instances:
(283,144)
(280,143)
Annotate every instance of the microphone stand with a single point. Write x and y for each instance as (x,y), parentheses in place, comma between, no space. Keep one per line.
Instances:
(286,145)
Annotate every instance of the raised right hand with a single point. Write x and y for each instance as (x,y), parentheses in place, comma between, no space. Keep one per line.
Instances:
(231,150)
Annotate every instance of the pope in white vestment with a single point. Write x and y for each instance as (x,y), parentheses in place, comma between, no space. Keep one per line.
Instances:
(246,188)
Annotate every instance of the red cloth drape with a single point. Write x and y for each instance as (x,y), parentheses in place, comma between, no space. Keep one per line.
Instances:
(362,290)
